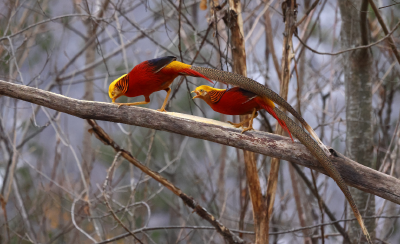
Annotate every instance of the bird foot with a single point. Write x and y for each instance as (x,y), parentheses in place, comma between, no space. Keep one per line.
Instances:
(237,125)
(241,124)
(120,104)
(246,129)
(162,110)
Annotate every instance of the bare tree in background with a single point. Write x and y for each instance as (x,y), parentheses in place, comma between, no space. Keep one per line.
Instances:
(358,73)
(60,184)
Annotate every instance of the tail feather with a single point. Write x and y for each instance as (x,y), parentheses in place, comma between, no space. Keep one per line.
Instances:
(282,123)
(363,228)
(188,71)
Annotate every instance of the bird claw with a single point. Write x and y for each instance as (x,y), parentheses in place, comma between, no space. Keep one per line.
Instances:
(162,110)
(246,129)
(120,104)
(237,125)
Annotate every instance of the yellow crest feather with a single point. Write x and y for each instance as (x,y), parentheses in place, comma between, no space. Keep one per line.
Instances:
(112,86)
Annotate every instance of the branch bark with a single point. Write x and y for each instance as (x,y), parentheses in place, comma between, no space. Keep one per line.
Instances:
(354,174)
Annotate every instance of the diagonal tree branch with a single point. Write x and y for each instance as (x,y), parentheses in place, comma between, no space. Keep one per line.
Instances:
(385,30)
(354,174)
(189,201)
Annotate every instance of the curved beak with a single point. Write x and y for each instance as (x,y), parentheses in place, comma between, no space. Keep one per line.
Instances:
(197,94)
(115,96)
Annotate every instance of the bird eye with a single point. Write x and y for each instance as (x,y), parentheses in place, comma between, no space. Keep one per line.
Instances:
(201,90)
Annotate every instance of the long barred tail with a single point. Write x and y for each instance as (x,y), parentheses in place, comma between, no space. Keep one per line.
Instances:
(194,73)
(314,148)
(281,122)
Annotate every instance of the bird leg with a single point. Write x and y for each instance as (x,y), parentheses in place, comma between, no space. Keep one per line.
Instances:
(250,120)
(250,127)
(237,125)
(162,109)
(146,101)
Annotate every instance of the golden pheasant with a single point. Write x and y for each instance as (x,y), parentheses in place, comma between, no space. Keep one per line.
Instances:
(148,77)
(237,101)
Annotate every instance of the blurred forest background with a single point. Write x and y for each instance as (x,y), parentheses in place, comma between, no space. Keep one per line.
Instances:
(48,160)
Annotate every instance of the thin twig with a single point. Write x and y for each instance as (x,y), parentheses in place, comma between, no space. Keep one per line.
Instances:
(319,204)
(308,12)
(350,49)
(330,223)
(106,182)
(385,30)
(388,5)
(73,218)
(48,20)
(23,212)
(257,20)
(328,212)
(119,49)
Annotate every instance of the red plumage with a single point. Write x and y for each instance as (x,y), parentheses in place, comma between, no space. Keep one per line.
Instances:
(190,72)
(156,75)
(281,122)
(143,80)
(148,77)
(237,101)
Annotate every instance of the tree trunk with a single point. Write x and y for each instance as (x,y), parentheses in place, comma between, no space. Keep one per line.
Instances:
(239,66)
(358,80)
(87,142)
(288,8)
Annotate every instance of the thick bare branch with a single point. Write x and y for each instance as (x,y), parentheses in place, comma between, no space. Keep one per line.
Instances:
(354,174)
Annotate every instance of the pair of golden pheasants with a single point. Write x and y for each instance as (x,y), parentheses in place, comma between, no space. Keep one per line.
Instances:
(158,74)
(247,98)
